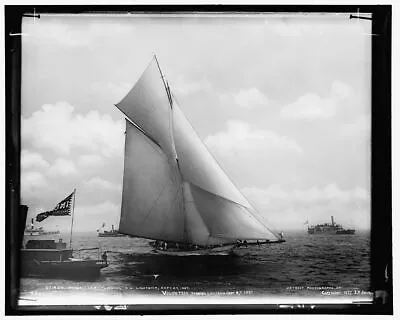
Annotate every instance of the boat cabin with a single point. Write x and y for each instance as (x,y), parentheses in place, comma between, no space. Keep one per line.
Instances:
(46,250)
(46,244)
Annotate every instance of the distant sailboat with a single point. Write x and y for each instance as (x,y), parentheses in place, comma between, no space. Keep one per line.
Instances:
(174,191)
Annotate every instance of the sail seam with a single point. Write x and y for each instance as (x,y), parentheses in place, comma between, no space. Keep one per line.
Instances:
(200,216)
(154,203)
(165,220)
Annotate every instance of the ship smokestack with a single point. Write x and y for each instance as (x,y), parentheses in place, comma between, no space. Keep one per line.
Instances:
(333,222)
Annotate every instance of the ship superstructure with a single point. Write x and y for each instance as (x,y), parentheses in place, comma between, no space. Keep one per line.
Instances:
(329,228)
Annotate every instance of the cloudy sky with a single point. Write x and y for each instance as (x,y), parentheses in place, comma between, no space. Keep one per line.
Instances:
(281,101)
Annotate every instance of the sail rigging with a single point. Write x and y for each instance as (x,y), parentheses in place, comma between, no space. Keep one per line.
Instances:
(173,189)
(147,105)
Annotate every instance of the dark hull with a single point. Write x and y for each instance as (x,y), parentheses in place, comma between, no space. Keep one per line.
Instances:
(69,269)
(110,235)
(220,251)
(349,231)
(28,255)
(39,232)
(224,250)
(57,263)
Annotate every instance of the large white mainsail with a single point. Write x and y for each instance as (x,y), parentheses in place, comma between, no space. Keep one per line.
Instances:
(152,205)
(173,189)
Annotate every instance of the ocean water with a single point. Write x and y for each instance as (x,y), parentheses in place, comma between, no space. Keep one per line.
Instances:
(305,266)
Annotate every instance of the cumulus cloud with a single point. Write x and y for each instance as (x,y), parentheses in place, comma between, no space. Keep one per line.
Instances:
(312,106)
(291,207)
(90,217)
(309,106)
(62,167)
(330,192)
(87,218)
(239,136)
(115,91)
(31,159)
(32,183)
(90,160)
(57,127)
(99,183)
(246,98)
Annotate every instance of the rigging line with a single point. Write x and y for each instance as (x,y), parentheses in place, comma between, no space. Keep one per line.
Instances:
(198,214)
(212,156)
(154,203)
(238,204)
(139,127)
(144,71)
(167,91)
(168,96)
(229,179)
(165,220)
(171,133)
(257,216)
(182,191)
(159,149)
(217,195)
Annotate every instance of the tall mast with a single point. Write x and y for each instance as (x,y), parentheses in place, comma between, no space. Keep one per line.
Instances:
(164,82)
(72,222)
(168,91)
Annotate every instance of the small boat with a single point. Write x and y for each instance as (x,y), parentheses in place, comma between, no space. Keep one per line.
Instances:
(174,191)
(48,258)
(110,233)
(329,228)
(31,230)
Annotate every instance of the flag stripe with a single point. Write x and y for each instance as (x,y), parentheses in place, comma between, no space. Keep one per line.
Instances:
(63,208)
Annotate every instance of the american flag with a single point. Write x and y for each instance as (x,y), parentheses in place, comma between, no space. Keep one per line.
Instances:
(63,208)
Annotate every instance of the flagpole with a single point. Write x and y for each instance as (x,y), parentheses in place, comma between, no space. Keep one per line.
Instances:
(72,222)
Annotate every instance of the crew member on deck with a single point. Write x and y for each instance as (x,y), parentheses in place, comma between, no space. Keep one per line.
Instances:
(104,256)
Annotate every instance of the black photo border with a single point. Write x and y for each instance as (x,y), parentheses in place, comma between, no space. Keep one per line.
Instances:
(381,170)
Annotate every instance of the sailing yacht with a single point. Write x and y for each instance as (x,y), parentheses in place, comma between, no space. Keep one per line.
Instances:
(174,191)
